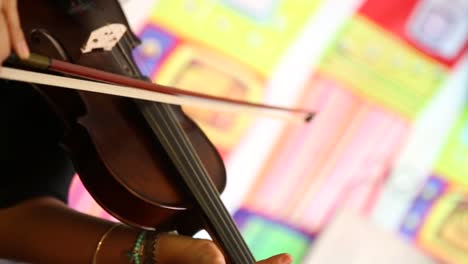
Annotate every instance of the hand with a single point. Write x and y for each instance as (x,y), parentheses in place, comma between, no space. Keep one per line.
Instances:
(180,249)
(11,35)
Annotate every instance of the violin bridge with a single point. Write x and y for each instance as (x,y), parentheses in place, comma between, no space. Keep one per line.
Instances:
(104,38)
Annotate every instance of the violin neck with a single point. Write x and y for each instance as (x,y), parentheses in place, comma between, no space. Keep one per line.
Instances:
(163,122)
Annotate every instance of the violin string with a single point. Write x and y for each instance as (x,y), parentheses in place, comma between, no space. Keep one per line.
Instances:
(213,205)
(209,194)
(170,146)
(123,51)
(215,198)
(239,242)
(216,209)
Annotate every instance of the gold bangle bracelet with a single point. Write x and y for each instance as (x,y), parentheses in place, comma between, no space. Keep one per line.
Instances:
(99,244)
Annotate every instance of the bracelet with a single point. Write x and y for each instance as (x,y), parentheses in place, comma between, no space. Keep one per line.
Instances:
(151,244)
(138,249)
(99,244)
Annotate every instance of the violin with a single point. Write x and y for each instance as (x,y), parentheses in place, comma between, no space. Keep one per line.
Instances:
(146,163)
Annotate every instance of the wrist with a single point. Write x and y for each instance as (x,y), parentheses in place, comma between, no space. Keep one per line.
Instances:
(144,249)
(151,248)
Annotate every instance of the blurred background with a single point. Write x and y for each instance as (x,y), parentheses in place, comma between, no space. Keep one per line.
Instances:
(381,174)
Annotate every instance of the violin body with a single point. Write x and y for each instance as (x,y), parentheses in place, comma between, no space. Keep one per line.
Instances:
(113,148)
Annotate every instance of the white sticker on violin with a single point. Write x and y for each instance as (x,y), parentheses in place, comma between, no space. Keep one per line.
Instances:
(105,37)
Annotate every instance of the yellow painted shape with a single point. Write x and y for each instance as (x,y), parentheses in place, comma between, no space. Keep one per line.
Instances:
(453,161)
(259,44)
(432,234)
(383,68)
(200,70)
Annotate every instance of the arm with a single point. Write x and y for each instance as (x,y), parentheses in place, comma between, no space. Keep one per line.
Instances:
(45,230)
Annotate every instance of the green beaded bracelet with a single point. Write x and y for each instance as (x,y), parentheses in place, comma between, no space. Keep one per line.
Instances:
(138,249)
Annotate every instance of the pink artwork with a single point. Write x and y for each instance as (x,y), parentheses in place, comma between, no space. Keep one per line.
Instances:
(81,200)
(339,160)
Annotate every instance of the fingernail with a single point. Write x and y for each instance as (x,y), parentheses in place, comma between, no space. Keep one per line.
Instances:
(23,49)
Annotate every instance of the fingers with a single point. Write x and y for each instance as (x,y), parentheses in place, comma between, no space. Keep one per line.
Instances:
(172,249)
(4,38)
(17,40)
(278,259)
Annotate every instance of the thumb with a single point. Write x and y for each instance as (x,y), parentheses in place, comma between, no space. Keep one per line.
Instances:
(14,27)
(278,259)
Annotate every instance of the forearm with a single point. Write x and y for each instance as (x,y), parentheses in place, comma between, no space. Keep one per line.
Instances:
(45,230)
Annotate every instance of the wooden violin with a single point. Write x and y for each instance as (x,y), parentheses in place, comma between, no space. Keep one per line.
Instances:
(146,163)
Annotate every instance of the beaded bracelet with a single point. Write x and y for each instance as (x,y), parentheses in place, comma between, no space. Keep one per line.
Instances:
(151,243)
(138,249)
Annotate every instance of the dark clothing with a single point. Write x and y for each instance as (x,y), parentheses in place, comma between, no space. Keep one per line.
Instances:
(32,162)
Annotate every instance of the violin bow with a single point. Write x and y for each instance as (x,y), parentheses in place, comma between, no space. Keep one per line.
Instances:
(115,84)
